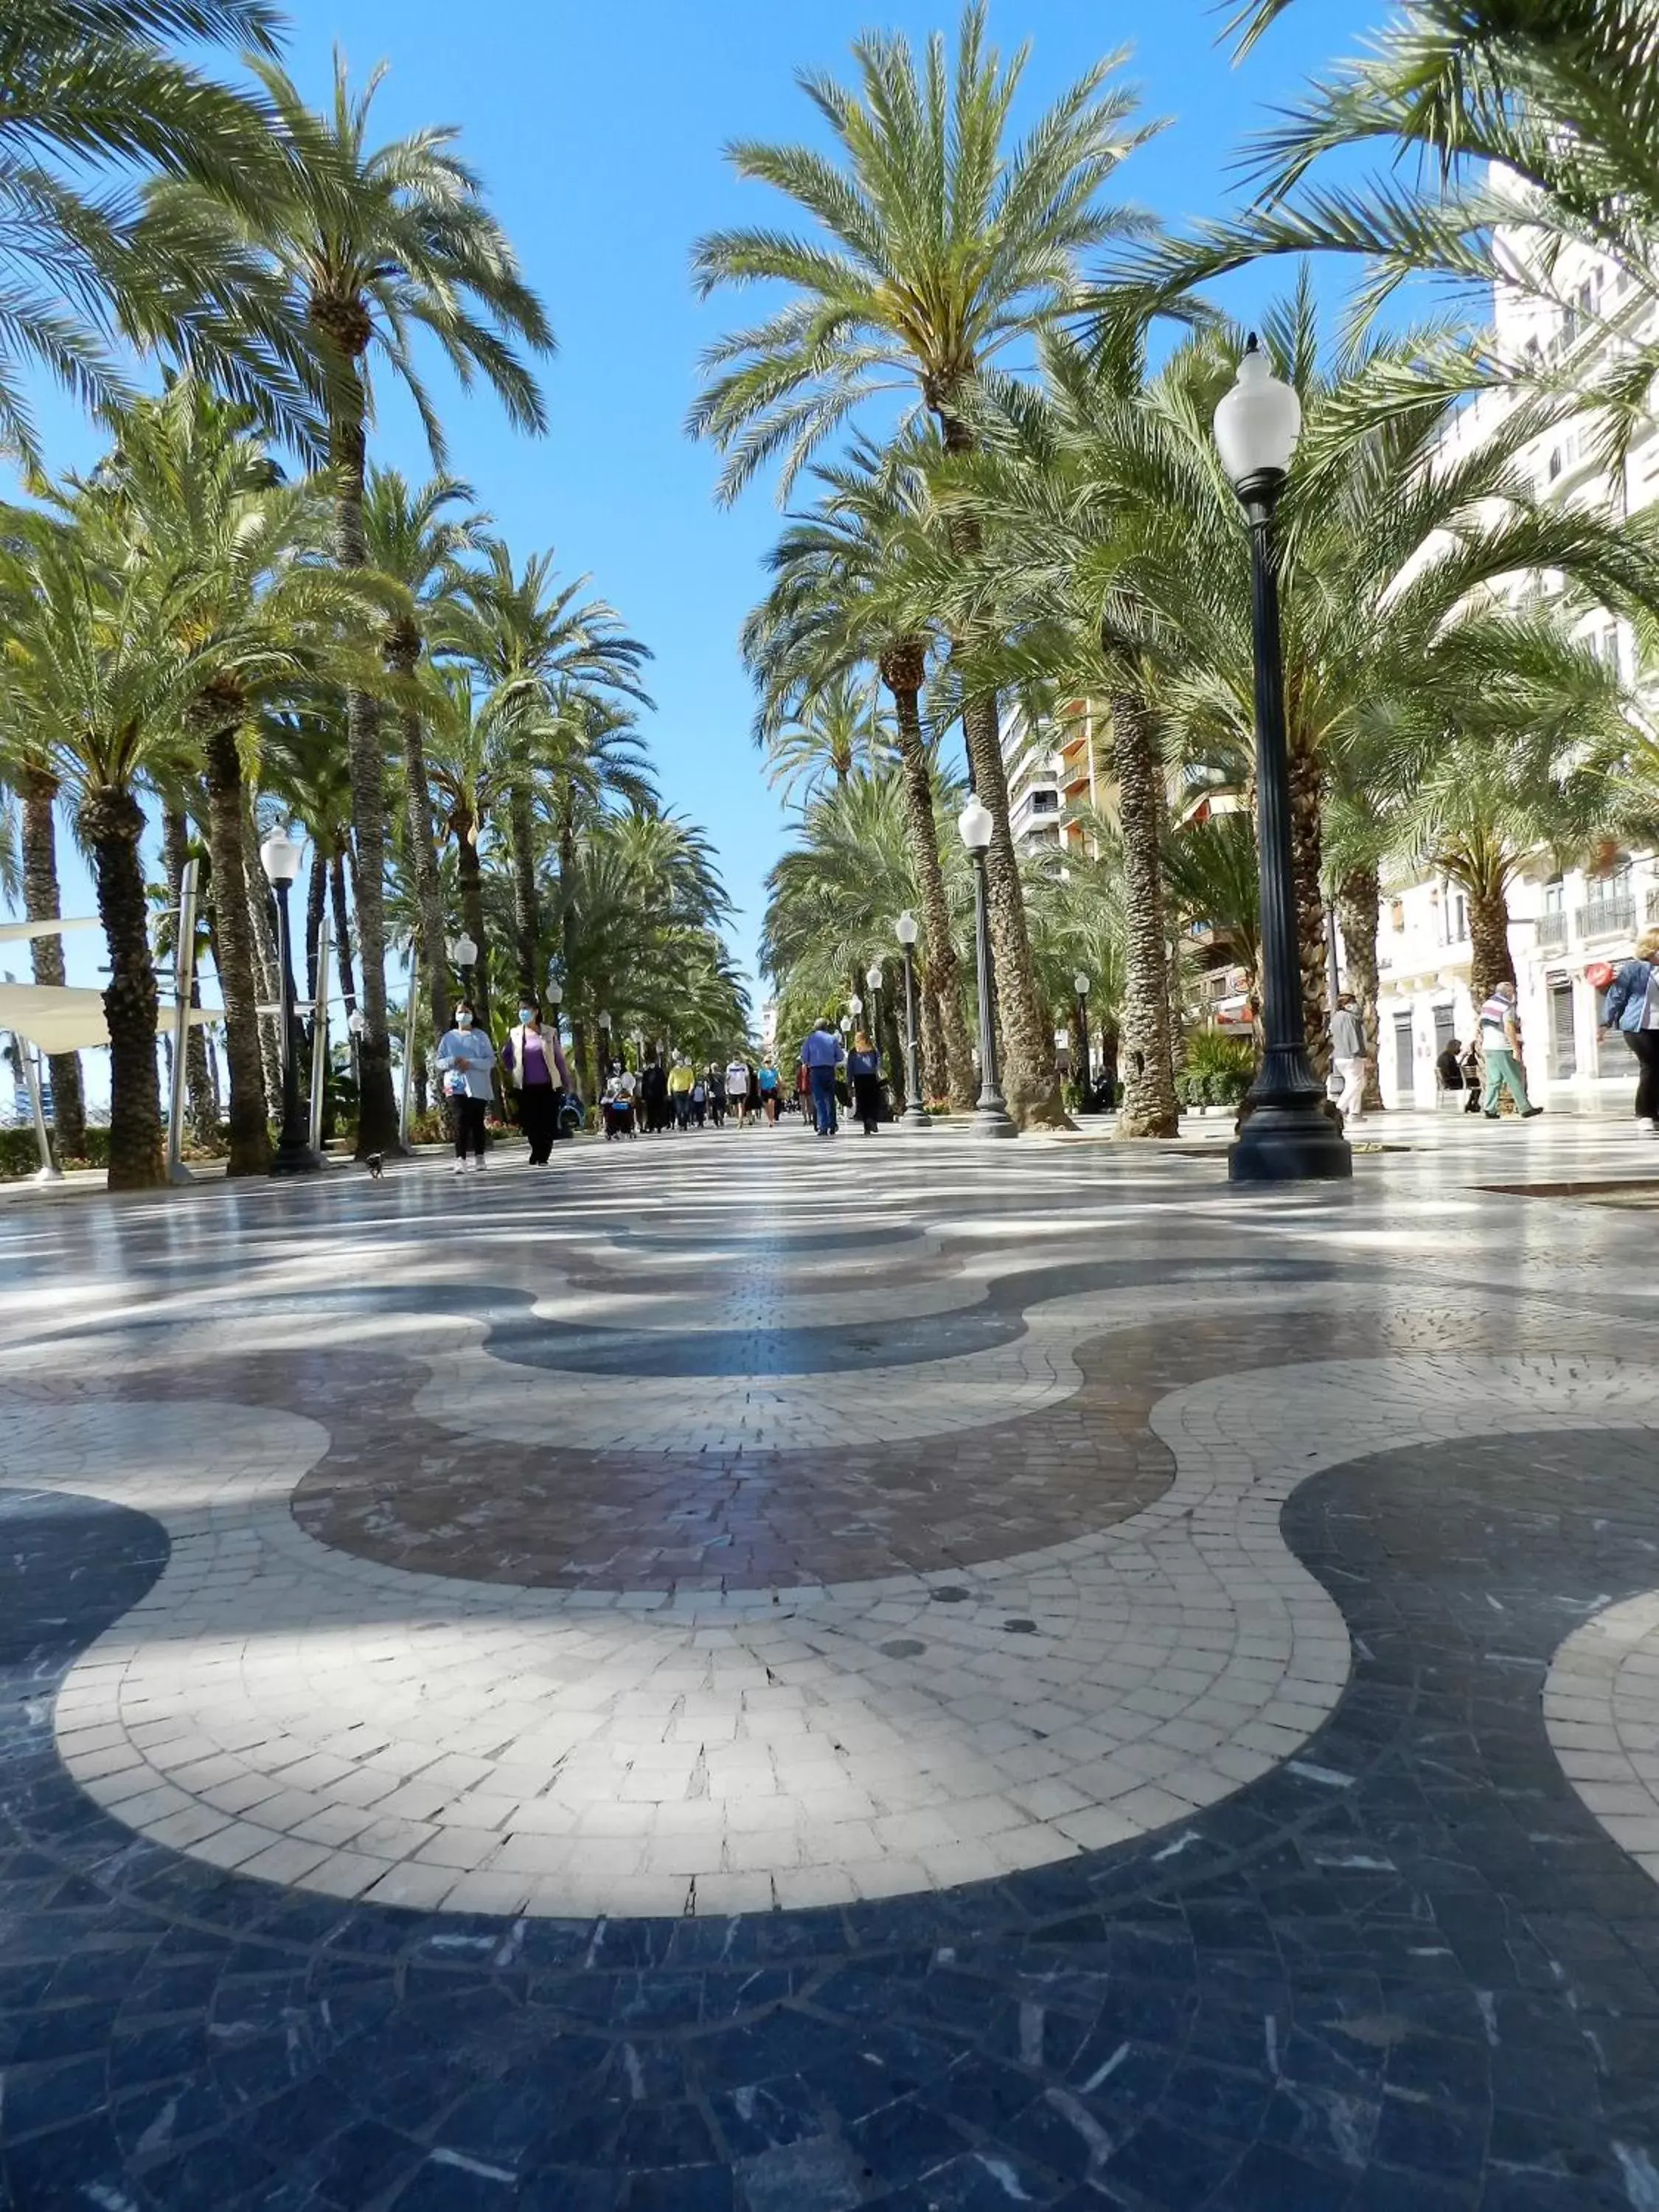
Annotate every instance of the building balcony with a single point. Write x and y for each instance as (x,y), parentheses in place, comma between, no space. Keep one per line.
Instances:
(1653,904)
(1612,916)
(1553,932)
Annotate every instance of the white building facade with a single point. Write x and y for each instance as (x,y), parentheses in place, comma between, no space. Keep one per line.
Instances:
(1568,930)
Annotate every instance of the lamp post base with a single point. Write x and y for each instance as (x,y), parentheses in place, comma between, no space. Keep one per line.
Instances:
(915,1116)
(1290,1141)
(992,1119)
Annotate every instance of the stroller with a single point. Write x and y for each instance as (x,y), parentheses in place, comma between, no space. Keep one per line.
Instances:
(618,1108)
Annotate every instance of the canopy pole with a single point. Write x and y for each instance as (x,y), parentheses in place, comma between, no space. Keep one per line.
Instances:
(184,975)
(319,1031)
(48,1171)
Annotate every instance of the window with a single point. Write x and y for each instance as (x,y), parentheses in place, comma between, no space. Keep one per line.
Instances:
(1045,802)
(1555,463)
(1457,919)
(1397,913)
(1609,647)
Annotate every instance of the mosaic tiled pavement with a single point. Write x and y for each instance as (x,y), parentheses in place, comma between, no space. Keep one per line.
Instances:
(755,1675)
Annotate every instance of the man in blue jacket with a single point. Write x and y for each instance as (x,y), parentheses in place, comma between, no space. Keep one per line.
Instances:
(821,1056)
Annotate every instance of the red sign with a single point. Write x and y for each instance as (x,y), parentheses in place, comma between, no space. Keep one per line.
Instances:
(1600,972)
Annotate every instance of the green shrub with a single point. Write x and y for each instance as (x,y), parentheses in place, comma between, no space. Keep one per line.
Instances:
(20,1155)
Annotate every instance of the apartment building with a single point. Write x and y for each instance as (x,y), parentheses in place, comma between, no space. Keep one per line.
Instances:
(1052,773)
(1569,930)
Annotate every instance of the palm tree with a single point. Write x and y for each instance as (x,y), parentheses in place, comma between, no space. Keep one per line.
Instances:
(100,679)
(539,644)
(824,732)
(1526,124)
(937,249)
(38,788)
(843,596)
(372,244)
(470,764)
(87,92)
(178,848)
(418,540)
(228,555)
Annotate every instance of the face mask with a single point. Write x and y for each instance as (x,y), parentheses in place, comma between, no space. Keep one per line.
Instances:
(526,1014)
(463,1021)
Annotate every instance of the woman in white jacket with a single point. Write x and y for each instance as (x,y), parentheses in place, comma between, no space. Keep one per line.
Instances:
(466,1060)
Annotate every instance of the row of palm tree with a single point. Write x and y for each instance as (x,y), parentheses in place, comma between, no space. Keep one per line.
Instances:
(1061,534)
(237,609)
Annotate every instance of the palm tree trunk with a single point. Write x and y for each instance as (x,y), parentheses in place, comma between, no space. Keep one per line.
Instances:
(428,895)
(1148,1107)
(40,903)
(526,905)
(113,822)
(902,674)
(472,914)
(262,929)
(377,1108)
(1358,906)
(1491,961)
(1307,859)
(233,955)
(198,1083)
(935,1059)
(343,967)
(316,902)
(1031,1082)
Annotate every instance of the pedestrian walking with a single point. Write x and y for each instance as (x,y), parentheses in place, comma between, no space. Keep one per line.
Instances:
(716,1081)
(737,1090)
(864,1073)
(617,1107)
(1348,1051)
(467,1062)
(768,1081)
(536,1079)
(653,1094)
(699,1099)
(821,1057)
(680,1080)
(1632,1008)
(1500,1048)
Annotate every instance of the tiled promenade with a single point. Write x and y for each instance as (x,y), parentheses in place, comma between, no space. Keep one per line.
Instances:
(732,1675)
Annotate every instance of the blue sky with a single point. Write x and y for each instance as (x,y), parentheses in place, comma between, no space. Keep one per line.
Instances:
(598,130)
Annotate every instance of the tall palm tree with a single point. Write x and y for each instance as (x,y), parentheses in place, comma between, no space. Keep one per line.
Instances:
(823,732)
(418,538)
(537,643)
(228,553)
(87,93)
(27,768)
(372,244)
(938,247)
(844,595)
(98,674)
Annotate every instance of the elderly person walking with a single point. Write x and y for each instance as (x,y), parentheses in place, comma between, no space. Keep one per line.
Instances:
(466,1061)
(1500,1048)
(1632,1008)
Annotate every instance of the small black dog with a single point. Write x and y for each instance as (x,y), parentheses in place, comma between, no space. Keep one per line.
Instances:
(376,1166)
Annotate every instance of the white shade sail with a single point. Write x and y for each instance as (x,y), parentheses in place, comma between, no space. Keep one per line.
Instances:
(58,1018)
(13,932)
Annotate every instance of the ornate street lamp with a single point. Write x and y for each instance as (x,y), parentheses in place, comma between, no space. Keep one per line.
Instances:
(463,953)
(915,1113)
(991,1115)
(1286,1135)
(279,856)
(1080,985)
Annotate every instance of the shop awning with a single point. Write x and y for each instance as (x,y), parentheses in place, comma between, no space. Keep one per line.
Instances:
(14,932)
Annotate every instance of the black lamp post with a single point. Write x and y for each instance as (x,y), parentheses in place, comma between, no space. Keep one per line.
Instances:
(1080,985)
(279,856)
(1286,1136)
(915,1113)
(991,1115)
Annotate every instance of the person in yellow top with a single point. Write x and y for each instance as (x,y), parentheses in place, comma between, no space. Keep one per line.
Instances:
(680,1079)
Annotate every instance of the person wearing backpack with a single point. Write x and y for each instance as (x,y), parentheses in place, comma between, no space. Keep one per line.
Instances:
(1632,1008)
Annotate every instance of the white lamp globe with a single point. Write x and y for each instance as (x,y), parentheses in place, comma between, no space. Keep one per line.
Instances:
(1080,984)
(463,951)
(358,1023)
(604,1018)
(855,1005)
(1258,421)
(873,977)
(906,929)
(279,856)
(974,826)
(554,994)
